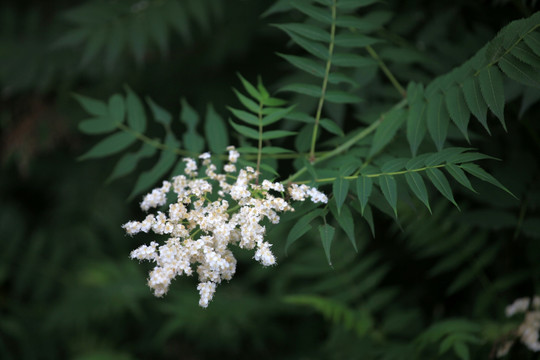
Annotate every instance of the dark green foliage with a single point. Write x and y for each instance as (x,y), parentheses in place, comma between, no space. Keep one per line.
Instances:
(396,110)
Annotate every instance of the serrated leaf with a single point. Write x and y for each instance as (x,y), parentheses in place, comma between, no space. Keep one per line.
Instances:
(525,54)
(244,130)
(416,184)
(314,12)
(215,130)
(417,162)
(272,101)
(136,117)
(276,116)
(437,120)
(301,227)
(416,118)
(308,65)
(313,47)
(364,185)
(346,222)
(341,97)
(491,86)
(458,109)
(444,155)
(276,134)
(469,157)
(368,216)
(440,182)
(519,71)
(393,165)
(128,162)
(117,109)
(533,41)
(160,114)
(93,106)
(97,126)
(459,175)
(247,102)
(340,189)
(262,90)
(327,236)
(352,60)
(331,126)
(191,139)
(480,173)
(391,123)
(307,31)
(244,116)
(304,89)
(109,146)
(251,90)
(475,101)
(348,39)
(389,189)
(158,171)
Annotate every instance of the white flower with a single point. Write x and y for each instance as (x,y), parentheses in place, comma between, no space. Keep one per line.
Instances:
(200,231)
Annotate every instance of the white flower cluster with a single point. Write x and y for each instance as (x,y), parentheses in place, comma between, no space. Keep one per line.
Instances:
(200,230)
(529,328)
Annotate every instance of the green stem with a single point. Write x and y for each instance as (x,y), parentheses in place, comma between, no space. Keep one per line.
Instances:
(393,173)
(324,84)
(259,149)
(386,71)
(362,134)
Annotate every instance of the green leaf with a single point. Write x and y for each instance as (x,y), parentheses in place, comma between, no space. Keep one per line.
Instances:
(164,164)
(244,130)
(276,116)
(138,38)
(364,185)
(244,116)
(346,222)
(128,162)
(136,117)
(310,66)
(437,120)
(331,126)
(314,12)
(416,117)
(352,60)
(491,86)
(313,47)
(192,140)
(341,97)
(368,216)
(480,173)
(354,4)
(117,109)
(304,89)
(272,101)
(519,71)
(115,44)
(307,31)
(276,134)
(533,41)
(247,102)
(389,189)
(109,146)
(459,175)
(160,114)
(251,90)
(393,165)
(461,350)
(475,101)
(525,54)
(447,154)
(440,182)
(416,184)
(158,29)
(215,130)
(301,227)
(391,123)
(93,106)
(93,46)
(458,110)
(327,236)
(97,126)
(340,188)
(349,39)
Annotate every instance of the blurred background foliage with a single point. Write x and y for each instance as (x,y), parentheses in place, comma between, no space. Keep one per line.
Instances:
(67,286)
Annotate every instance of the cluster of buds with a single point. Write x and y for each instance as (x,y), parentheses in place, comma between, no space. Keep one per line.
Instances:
(201,222)
(528,329)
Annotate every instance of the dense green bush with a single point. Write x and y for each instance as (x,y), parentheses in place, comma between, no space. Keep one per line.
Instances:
(416,119)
